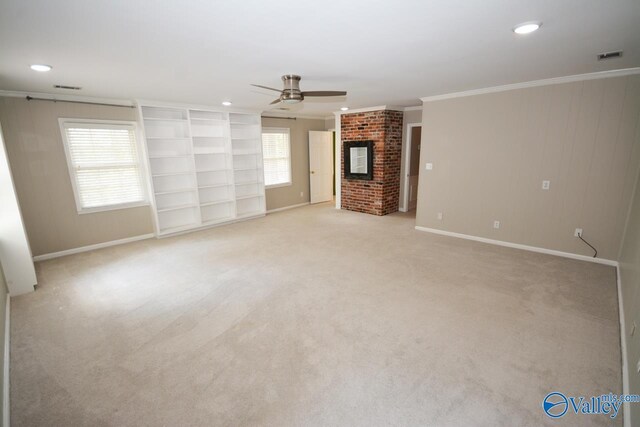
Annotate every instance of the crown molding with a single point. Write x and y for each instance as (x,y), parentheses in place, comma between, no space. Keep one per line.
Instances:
(368,109)
(65,97)
(231,109)
(414,108)
(535,83)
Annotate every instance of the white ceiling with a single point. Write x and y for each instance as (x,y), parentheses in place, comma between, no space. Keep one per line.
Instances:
(381,52)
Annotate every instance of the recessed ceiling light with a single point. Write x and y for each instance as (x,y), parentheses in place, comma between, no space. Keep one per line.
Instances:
(41,67)
(527,27)
(226,103)
(344,108)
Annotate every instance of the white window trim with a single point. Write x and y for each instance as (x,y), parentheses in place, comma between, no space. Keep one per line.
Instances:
(288,132)
(72,174)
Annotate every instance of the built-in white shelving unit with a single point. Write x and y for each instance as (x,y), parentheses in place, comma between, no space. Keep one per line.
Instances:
(205,166)
(248,176)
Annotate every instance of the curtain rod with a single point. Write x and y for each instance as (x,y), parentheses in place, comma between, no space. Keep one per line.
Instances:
(276,117)
(31,98)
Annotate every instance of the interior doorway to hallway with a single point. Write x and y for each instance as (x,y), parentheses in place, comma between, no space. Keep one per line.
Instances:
(412,166)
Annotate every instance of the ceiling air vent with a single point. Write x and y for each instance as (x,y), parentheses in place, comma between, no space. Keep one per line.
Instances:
(609,55)
(67,87)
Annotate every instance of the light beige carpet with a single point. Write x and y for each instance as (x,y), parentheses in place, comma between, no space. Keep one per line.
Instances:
(312,317)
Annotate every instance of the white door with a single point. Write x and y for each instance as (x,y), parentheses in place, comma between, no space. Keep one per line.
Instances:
(320,166)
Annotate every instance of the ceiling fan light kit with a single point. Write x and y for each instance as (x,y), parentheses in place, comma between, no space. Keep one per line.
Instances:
(291,93)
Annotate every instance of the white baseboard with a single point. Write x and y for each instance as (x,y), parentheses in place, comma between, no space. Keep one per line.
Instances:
(520,246)
(92,247)
(7,358)
(286,208)
(626,409)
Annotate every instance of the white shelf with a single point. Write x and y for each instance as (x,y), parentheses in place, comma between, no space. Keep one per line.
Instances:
(211,170)
(248,182)
(172,174)
(248,169)
(216,151)
(198,119)
(209,137)
(214,186)
(157,119)
(250,196)
(172,138)
(170,156)
(201,136)
(182,190)
(245,152)
(176,208)
(217,202)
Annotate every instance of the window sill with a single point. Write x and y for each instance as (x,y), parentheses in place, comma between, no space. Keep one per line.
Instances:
(284,184)
(112,207)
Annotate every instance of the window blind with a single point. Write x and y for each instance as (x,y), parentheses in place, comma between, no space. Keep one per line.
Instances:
(104,164)
(276,153)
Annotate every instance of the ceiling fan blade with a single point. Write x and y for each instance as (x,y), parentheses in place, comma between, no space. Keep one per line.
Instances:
(266,87)
(324,93)
(275,102)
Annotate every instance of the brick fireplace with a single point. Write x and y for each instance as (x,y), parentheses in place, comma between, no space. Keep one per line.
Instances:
(380,196)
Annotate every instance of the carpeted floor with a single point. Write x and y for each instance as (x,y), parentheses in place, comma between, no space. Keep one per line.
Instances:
(312,317)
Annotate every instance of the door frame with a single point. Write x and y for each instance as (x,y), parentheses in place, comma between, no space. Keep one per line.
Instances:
(331,162)
(407,163)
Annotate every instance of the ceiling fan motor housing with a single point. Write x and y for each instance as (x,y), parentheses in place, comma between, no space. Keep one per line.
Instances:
(291,92)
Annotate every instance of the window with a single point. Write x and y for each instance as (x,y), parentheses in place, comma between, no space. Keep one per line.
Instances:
(104,164)
(276,152)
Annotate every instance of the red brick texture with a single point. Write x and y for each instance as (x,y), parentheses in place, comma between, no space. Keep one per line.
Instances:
(381,195)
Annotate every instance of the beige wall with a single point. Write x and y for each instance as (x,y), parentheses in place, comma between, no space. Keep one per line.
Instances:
(630,281)
(3,307)
(41,177)
(281,197)
(330,123)
(491,152)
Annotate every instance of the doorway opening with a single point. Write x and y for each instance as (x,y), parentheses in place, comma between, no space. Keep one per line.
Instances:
(412,166)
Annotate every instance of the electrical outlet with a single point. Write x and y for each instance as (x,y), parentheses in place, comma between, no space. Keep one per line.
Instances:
(496,224)
(429,166)
(302,194)
(440,215)
(578,232)
(545,185)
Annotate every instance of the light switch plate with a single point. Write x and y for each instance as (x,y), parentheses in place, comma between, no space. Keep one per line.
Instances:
(429,166)
(496,224)
(545,185)
(439,215)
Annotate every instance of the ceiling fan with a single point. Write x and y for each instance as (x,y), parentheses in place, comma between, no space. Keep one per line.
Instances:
(291,94)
